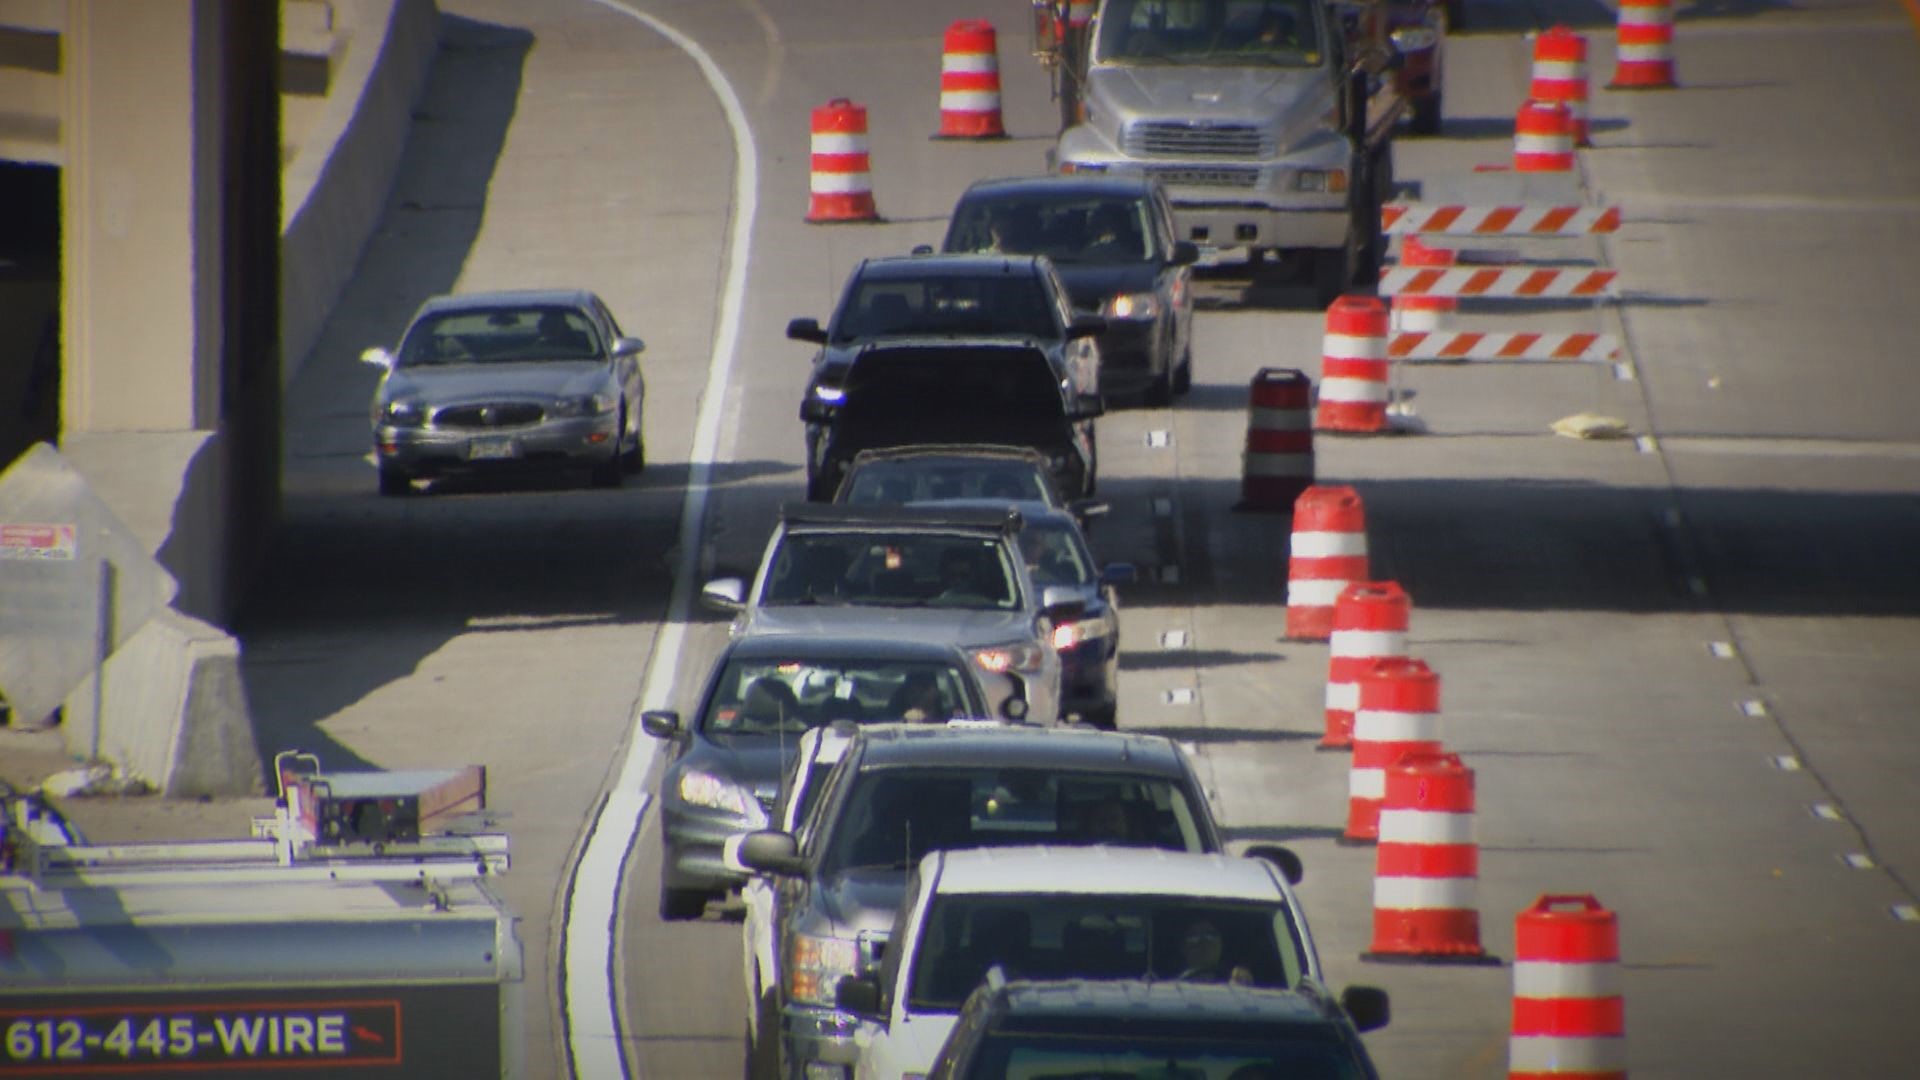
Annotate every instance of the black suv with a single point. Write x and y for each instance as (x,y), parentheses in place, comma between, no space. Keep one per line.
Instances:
(1167,1027)
(953,348)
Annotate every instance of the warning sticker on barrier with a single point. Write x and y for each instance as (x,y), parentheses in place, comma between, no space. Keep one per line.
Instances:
(21,541)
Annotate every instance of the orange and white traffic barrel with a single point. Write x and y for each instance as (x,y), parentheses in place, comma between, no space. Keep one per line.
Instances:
(1354,367)
(842,175)
(1398,714)
(1418,312)
(1328,552)
(1569,1015)
(1278,462)
(1643,53)
(970,82)
(1542,137)
(1369,623)
(1560,74)
(1080,12)
(1426,875)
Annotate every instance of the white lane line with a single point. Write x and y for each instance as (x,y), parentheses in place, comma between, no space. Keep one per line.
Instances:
(1859,860)
(1826,811)
(1906,912)
(1787,763)
(1646,444)
(1173,639)
(1754,708)
(1721,650)
(1623,372)
(590,1010)
(1182,695)
(1158,438)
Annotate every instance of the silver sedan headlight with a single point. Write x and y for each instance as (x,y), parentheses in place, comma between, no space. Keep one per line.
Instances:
(718,793)
(595,404)
(1141,306)
(404,412)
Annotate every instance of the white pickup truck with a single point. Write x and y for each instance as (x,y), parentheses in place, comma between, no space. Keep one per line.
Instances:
(1059,913)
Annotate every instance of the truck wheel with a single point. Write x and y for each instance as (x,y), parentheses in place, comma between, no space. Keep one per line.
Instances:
(1426,115)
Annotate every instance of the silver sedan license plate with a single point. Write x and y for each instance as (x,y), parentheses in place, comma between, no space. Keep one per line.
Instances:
(495,448)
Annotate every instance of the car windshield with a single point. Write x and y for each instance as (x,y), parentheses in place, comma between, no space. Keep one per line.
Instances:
(1068,227)
(501,335)
(894,816)
(1278,1052)
(1079,936)
(907,569)
(775,696)
(973,304)
(929,479)
(1055,553)
(1220,32)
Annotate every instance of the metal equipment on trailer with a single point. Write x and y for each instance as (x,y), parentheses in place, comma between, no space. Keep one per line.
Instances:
(355,933)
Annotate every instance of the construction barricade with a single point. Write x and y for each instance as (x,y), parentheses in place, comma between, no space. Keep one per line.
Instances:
(1427,867)
(1278,462)
(1353,373)
(842,184)
(1327,553)
(1418,312)
(970,82)
(1398,714)
(1369,623)
(1560,74)
(1569,1015)
(1643,52)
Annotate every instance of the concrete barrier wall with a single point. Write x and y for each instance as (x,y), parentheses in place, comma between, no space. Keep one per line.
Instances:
(175,711)
(335,190)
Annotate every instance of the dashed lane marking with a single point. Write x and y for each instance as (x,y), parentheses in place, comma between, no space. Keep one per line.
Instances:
(1159,439)
(1179,695)
(1173,639)
(1787,763)
(1859,860)
(1826,812)
(1906,913)
(1754,707)
(1721,650)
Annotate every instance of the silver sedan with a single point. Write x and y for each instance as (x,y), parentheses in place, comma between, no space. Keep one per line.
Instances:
(496,381)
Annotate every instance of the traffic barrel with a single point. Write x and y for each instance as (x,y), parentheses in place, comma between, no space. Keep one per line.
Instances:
(970,82)
(1643,55)
(1327,553)
(1398,714)
(1560,74)
(1080,12)
(1542,137)
(1427,867)
(1416,311)
(1353,367)
(1369,623)
(842,175)
(1569,1016)
(1278,462)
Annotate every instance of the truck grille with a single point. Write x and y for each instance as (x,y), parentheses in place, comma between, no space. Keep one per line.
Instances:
(1221,176)
(1174,138)
(493,415)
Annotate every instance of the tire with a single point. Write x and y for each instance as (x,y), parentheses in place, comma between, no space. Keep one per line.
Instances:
(680,905)
(1104,719)
(1183,375)
(609,473)
(634,458)
(1426,115)
(1159,392)
(395,483)
(763,1053)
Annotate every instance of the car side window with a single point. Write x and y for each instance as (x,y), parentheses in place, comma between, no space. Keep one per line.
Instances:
(608,324)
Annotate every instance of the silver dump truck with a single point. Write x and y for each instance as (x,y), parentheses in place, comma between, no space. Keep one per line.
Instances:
(1269,122)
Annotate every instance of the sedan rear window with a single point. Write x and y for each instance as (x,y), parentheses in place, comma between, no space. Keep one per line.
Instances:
(765,697)
(1067,227)
(1012,303)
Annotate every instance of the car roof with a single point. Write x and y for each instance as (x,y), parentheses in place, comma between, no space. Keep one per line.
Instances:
(1106,871)
(888,515)
(829,646)
(983,451)
(1145,999)
(1086,183)
(949,264)
(991,743)
(500,297)
(1030,509)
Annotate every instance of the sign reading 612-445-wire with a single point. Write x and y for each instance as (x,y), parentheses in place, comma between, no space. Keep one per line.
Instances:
(283,1034)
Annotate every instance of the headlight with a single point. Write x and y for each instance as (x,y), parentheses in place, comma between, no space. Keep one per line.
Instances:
(1328,181)
(404,412)
(815,966)
(1014,656)
(1142,305)
(1071,167)
(1414,38)
(1067,635)
(585,405)
(831,395)
(706,789)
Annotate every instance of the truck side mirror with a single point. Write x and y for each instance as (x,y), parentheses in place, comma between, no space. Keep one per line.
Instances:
(660,723)
(771,851)
(1185,253)
(1367,1006)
